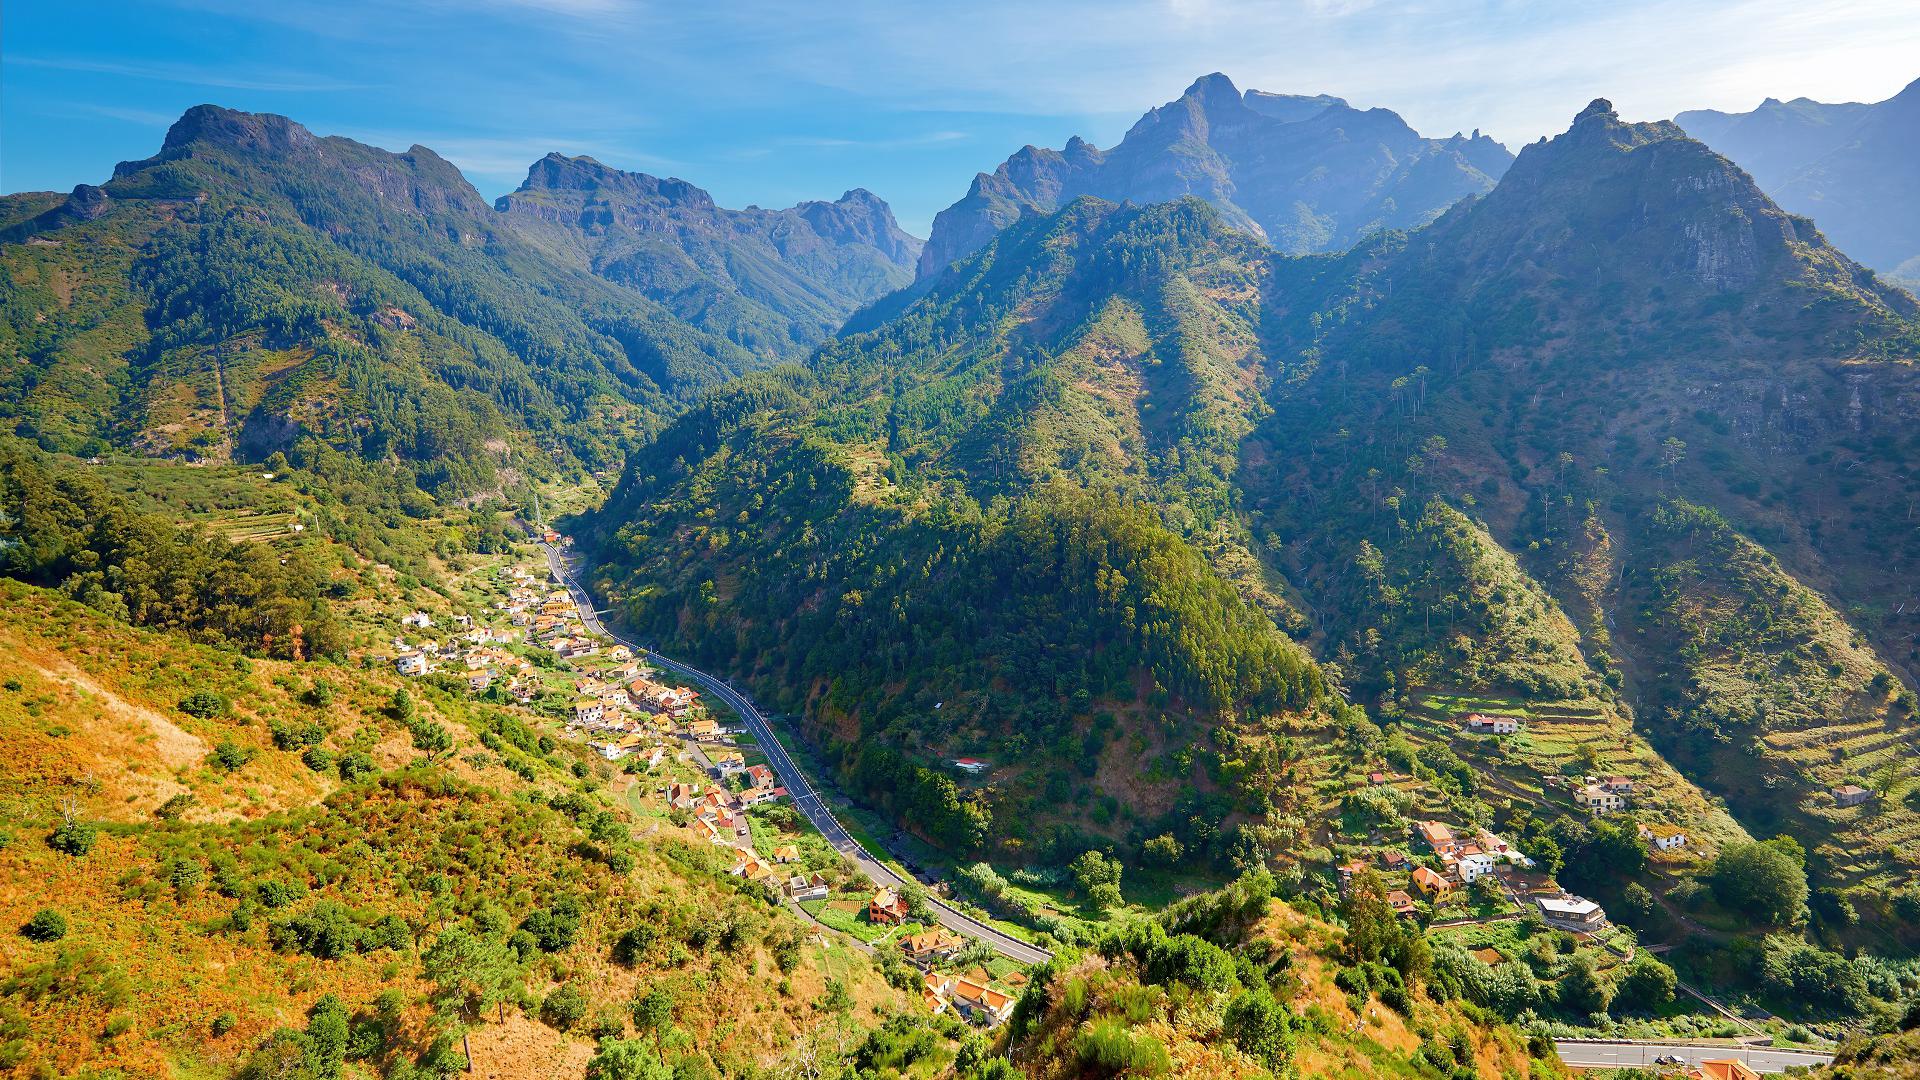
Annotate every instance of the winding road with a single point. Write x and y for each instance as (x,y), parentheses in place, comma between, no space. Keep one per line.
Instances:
(1640,1055)
(805,798)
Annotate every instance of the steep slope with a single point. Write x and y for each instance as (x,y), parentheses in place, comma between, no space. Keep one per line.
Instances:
(229,906)
(1850,167)
(1712,348)
(774,282)
(1306,173)
(1000,522)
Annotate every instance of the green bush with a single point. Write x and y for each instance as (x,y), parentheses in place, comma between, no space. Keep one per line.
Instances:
(1107,1045)
(230,756)
(46,925)
(565,1008)
(355,765)
(326,930)
(203,704)
(73,837)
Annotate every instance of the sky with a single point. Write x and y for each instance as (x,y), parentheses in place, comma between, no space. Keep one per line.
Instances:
(770,103)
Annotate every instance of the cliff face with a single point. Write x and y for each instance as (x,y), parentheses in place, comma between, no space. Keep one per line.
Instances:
(1306,173)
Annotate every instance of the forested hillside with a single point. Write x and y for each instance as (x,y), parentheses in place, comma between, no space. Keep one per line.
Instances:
(1445,463)
(254,288)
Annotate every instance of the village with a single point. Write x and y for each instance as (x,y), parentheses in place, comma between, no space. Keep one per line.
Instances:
(681,763)
(1470,884)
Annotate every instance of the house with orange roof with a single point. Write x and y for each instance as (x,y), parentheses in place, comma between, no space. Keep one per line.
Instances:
(888,907)
(1722,1069)
(981,1002)
(1430,884)
(933,991)
(1437,837)
(931,945)
(1400,902)
(786,853)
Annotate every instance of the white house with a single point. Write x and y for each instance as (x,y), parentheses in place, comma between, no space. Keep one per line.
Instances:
(1664,837)
(1472,864)
(1596,799)
(410,663)
(419,618)
(971,766)
(1492,725)
(1572,912)
(587,711)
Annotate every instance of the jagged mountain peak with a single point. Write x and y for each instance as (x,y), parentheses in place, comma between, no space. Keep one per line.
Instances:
(1307,172)
(235,130)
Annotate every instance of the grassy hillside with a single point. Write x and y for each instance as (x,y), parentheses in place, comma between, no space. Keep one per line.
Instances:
(225,887)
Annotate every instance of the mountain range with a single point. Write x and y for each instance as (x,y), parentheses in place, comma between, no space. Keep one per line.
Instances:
(1306,173)
(1161,521)
(1850,167)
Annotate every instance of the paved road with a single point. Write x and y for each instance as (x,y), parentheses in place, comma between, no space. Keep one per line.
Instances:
(805,798)
(1626,1055)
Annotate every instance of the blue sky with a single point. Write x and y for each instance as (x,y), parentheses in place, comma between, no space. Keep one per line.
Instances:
(770,103)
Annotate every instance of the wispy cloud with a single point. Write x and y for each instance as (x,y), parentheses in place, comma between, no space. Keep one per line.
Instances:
(190,75)
(931,138)
(141,117)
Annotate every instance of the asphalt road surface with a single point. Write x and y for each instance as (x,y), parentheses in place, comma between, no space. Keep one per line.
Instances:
(1633,1055)
(805,798)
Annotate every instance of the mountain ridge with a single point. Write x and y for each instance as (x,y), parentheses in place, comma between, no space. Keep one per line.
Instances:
(1307,173)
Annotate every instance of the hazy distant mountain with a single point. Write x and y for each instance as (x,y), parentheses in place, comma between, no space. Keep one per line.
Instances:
(1852,168)
(773,281)
(1306,173)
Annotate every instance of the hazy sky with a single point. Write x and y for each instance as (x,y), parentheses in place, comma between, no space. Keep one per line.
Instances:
(771,103)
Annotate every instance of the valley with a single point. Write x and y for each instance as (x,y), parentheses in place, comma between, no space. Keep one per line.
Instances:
(1280,596)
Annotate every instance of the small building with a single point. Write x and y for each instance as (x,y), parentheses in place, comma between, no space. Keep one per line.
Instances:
(1664,837)
(1618,784)
(933,990)
(1401,903)
(411,664)
(932,945)
(786,853)
(1438,837)
(1472,864)
(1430,884)
(1347,872)
(588,711)
(1571,912)
(1722,1069)
(1379,779)
(1597,800)
(619,653)
(1850,795)
(981,1002)
(807,887)
(418,619)
(728,763)
(704,730)
(759,776)
(888,907)
(615,749)
(1482,724)
(1393,860)
(970,766)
